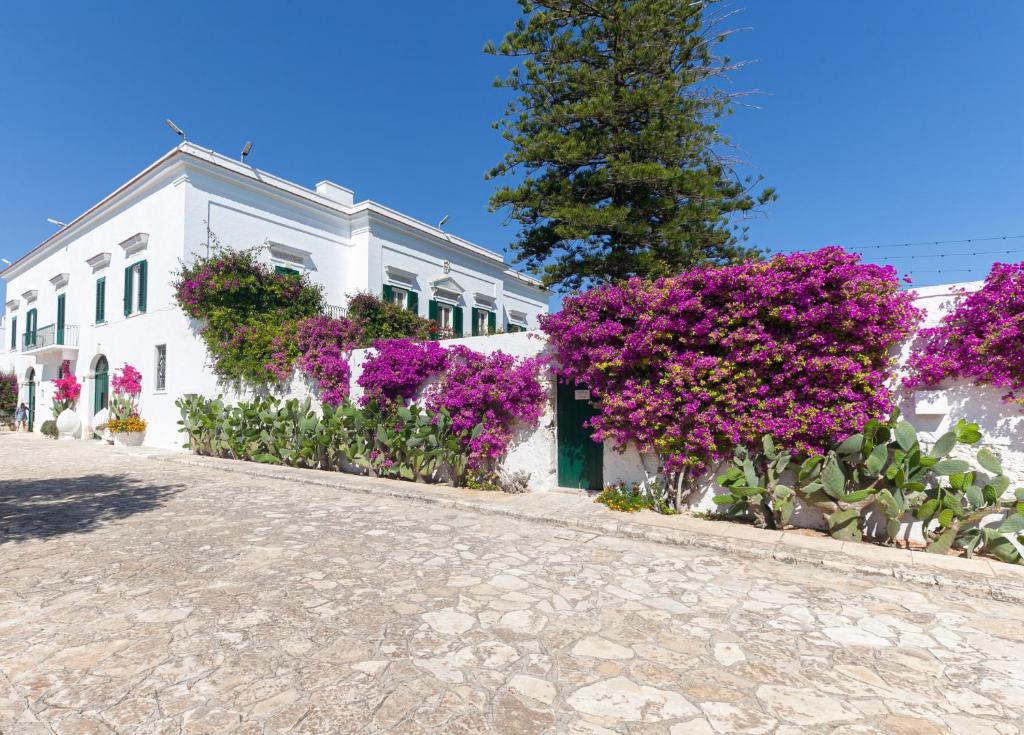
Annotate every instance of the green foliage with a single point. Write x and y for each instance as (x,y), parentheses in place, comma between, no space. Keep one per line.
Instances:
(405,443)
(49,428)
(246,311)
(379,319)
(630,499)
(884,472)
(755,487)
(8,392)
(615,140)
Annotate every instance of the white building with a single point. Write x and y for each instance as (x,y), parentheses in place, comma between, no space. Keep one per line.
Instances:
(98,294)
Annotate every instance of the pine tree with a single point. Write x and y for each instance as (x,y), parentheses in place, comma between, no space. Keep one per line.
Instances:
(615,139)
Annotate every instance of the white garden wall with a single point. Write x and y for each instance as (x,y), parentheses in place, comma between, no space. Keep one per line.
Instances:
(933,412)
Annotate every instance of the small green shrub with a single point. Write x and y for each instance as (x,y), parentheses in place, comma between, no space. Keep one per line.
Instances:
(49,428)
(630,499)
(379,319)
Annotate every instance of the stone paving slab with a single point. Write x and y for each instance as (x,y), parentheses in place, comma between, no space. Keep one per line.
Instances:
(143,596)
(977,576)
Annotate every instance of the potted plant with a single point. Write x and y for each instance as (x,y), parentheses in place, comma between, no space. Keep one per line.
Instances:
(67,389)
(125,424)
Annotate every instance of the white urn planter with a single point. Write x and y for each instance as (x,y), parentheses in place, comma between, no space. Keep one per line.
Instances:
(68,424)
(99,426)
(128,438)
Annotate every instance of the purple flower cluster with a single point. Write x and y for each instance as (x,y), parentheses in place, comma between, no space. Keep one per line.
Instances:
(496,390)
(692,365)
(980,339)
(398,368)
(324,345)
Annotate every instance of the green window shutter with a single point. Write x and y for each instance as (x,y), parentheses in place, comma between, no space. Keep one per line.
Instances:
(101,300)
(282,271)
(412,302)
(128,291)
(492,322)
(389,293)
(457,320)
(14,332)
(61,300)
(475,329)
(142,285)
(432,310)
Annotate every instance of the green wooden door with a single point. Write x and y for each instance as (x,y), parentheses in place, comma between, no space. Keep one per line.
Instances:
(580,458)
(101,386)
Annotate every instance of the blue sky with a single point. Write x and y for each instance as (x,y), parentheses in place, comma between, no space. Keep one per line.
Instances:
(881,122)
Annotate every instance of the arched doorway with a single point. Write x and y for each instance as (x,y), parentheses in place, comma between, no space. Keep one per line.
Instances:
(101,385)
(30,380)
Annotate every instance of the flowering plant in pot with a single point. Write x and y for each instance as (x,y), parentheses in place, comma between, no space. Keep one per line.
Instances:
(125,424)
(67,389)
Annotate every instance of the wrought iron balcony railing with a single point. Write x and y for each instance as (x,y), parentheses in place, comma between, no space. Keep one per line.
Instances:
(50,336)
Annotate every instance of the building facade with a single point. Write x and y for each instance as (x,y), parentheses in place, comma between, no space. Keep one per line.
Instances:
(97,294)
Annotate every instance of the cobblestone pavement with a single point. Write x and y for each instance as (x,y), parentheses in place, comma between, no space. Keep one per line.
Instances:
(146,597)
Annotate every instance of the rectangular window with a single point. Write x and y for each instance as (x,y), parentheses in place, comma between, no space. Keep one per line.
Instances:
(135,288)
(398,297)
(161,367)
(101,300)
(479,322)
(282,271)
(444,316)
(14,332)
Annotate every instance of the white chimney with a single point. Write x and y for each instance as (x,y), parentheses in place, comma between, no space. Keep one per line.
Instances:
(334,192)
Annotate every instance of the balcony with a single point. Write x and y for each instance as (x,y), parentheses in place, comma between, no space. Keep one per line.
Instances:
(49,342)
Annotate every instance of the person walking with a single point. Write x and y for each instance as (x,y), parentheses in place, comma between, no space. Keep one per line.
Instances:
(21,418)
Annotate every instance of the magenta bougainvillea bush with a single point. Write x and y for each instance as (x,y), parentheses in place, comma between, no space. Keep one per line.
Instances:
(693,365)
(398,368)
(324,345)
(66,389)
(981,339)
(127,381)
(496,390)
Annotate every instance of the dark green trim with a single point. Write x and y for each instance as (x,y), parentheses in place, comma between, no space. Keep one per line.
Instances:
(412,301)
(128,290)
(14,332)
(457,320)
(283,271)
(389,293)
(143,280)
(61,311)
(101,300)
(492,322)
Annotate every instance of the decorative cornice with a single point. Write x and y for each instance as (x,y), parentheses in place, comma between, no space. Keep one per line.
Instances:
(448,285)
(99,261)
(60,280)
(135,243)
(400,275)
(12,305)
(30,295)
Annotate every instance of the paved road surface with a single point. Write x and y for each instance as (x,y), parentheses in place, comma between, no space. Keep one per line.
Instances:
(145,597)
